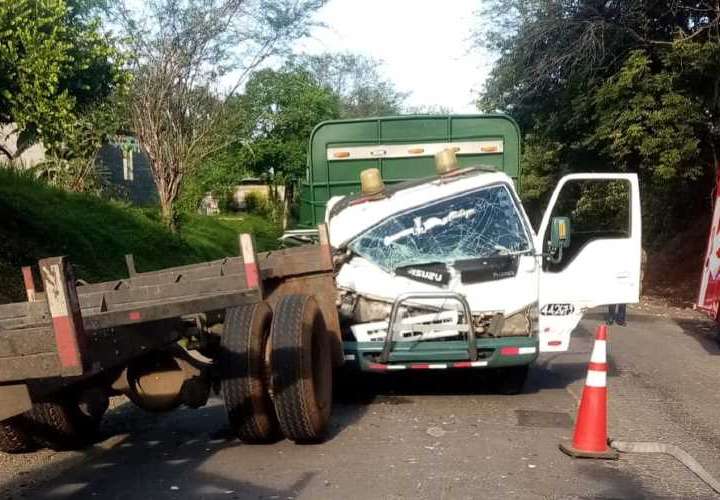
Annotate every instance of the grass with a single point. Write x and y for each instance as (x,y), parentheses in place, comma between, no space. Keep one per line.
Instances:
(38,221)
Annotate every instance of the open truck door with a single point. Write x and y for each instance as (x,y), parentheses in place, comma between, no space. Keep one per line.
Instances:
(590,238)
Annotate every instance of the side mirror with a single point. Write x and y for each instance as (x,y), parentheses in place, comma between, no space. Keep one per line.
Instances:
(559,238)
(560,232)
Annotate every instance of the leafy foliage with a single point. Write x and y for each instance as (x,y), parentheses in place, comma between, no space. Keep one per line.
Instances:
(181,49)
(287,105)
(275,115)
(356,80)
(645,120)
(627,85)
(55,63)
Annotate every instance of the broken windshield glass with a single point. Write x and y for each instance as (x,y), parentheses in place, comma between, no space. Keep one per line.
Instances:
(474,224)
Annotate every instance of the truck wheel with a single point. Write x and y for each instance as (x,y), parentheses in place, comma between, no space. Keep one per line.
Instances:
(14,437)
(61,425)
(511,380)
(301,368)
(245,384)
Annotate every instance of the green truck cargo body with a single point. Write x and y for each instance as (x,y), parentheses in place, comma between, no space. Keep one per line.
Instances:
(402,148)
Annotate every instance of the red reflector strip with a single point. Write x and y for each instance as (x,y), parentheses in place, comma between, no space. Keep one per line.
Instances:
(554,343)
(134,316)
(29,283)
(420,366)
(67,342)
(463,364)
(382,368)
(509,351)
(252,275)
(601,367)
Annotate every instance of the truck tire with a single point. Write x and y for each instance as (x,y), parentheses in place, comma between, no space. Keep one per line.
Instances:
(511,380)
(14,437)
(301,369)
(60,425)
(245,384)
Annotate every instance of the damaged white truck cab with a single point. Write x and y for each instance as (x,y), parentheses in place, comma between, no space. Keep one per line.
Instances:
(450,264)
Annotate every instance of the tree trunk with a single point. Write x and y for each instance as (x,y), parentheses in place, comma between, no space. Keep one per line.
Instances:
(167,210)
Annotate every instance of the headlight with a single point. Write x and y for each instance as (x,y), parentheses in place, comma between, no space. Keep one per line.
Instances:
(523,323)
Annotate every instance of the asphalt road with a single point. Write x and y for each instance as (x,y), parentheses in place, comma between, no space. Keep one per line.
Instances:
(431,437)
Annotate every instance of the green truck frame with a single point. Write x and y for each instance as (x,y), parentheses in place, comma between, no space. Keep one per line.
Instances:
(327,176)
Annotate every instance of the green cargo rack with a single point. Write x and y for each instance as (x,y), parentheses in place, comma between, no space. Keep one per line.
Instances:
(402,147)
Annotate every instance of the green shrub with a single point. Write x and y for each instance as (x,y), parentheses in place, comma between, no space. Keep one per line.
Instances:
(256,203)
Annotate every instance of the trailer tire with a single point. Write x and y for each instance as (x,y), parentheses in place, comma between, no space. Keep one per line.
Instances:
(245,384)
(511,380)
(301,369)
(14,437)
(60,425)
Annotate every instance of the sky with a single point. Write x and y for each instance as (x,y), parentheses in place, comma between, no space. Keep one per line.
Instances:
(424,44)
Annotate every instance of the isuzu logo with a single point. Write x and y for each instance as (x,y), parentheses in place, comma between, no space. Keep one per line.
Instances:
(433,274)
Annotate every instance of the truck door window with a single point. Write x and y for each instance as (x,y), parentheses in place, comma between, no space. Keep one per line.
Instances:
(474,224)
(598,209)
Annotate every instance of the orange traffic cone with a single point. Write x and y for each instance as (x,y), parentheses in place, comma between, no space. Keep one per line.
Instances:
(590,438)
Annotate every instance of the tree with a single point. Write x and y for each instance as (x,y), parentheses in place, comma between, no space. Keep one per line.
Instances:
(620,85)
(357,80)
(181,50)
(287,105)
(55,66)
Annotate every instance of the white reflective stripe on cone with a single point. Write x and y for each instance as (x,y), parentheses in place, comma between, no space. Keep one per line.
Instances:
(596,378)
(599,352)
(248,250)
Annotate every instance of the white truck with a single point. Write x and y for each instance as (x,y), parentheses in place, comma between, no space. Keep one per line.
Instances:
(451,264)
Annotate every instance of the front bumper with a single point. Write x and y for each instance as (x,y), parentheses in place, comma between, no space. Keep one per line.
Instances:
(439,355)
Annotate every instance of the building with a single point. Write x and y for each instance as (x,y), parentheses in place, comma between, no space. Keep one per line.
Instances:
(121,161)
(128,169)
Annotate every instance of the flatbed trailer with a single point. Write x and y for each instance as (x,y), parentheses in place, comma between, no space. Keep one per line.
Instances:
(261,329)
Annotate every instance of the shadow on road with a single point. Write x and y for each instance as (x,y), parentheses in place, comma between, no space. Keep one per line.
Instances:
(704,331)
(172,465)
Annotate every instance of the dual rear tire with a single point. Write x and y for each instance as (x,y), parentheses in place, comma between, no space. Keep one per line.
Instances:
(277,371)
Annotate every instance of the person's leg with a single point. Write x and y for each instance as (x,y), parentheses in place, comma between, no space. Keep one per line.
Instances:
(611,314)
(620,316)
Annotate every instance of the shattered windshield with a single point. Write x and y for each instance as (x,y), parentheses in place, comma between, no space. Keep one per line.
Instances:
(474,224)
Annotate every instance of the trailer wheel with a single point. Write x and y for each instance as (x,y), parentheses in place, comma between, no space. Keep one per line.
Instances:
(14,437)
(511,380)
(244,374)
(301,368)
(61,425)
